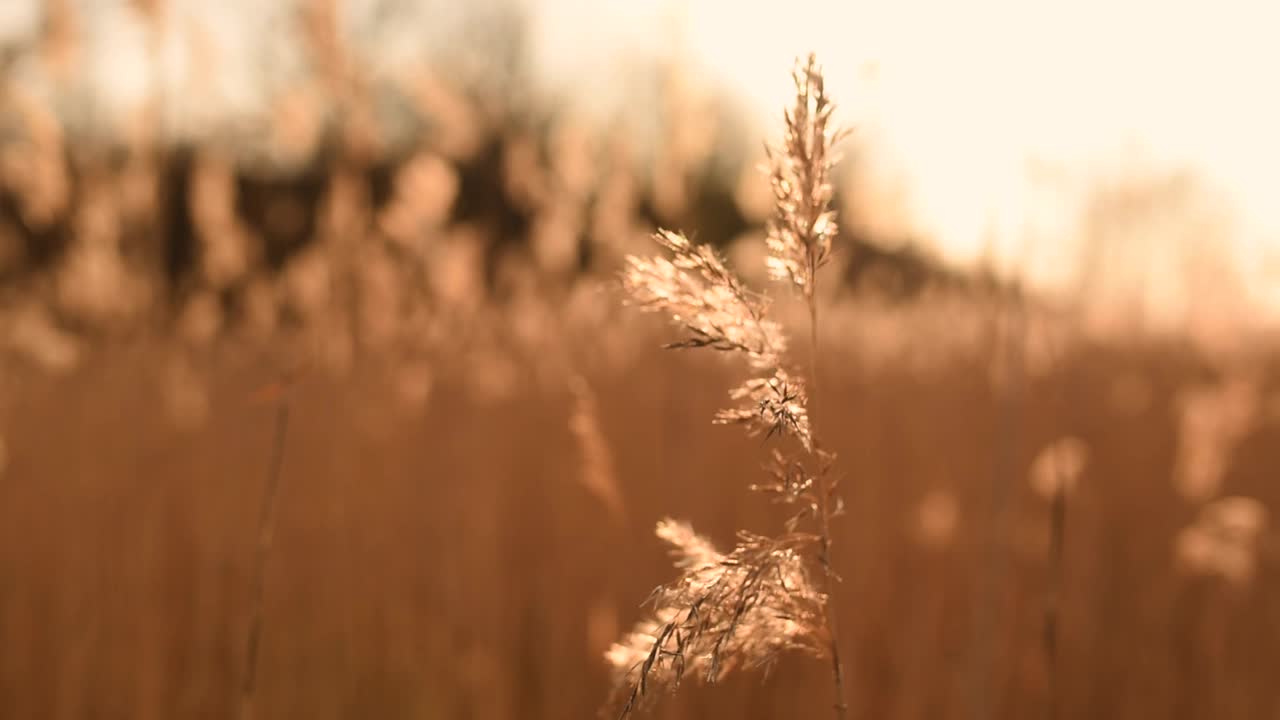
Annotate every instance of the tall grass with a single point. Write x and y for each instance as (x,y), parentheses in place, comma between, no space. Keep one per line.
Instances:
(266,534)
(506,430)
(745,607)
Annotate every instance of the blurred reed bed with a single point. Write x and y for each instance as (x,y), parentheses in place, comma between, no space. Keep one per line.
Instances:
(362,209)
(464,560)
(480,442)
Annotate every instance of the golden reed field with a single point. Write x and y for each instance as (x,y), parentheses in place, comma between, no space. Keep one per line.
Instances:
(323,417)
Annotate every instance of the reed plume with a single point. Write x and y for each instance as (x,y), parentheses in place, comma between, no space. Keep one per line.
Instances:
(743,608)
(717,311)
(740,609)
(803,225)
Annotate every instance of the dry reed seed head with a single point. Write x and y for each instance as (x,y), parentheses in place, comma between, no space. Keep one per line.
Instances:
(803,225)
(744,608)
(1212,421)
(1058,466)
(724,612)
(791,479)
(689,549)
(599,476)
(774,405)
(792,483)
(1223,541)
(704,297)
(936,519)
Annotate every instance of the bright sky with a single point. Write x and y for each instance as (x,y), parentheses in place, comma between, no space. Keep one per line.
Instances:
(997,116)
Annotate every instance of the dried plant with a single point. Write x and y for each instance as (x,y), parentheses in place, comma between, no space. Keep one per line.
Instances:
(745,607)
(707,299)
(1058,466)
(598,475)
(1224,539)
(262,554)
(1212,422)
(803,225)
(740,609)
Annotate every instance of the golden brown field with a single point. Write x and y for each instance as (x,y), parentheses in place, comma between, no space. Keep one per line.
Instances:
(449,562)
(350,380)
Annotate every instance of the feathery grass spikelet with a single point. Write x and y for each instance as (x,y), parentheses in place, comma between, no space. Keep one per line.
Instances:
(743,608)
(803,225)
(703,296)
(740,609)
(775,406)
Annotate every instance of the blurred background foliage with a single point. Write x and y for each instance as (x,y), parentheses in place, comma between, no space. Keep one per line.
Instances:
(361,171)
(394,212)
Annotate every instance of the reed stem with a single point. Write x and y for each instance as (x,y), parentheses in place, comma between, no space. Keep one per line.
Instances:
(266,540)
(824,519)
